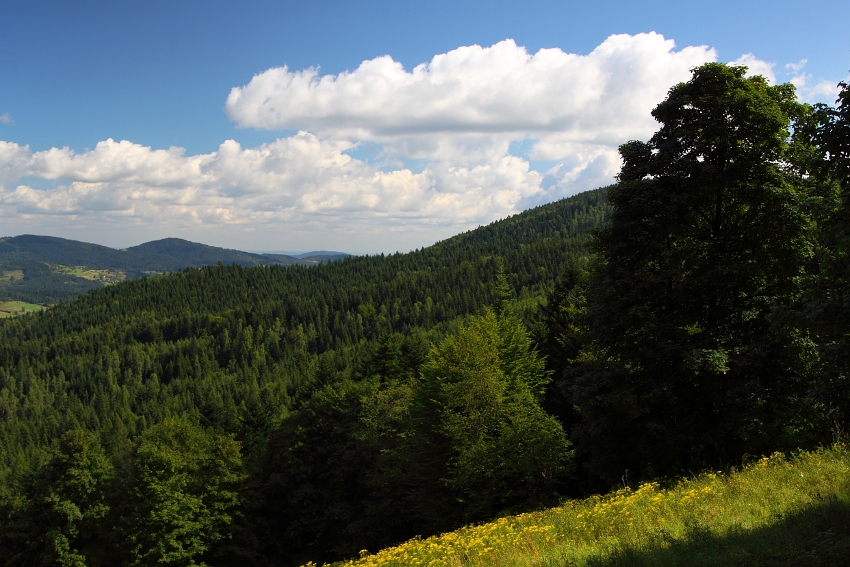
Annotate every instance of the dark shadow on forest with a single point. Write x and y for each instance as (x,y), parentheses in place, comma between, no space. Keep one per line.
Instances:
(818,536)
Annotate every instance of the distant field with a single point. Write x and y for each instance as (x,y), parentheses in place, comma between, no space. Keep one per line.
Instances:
(106,276)
(15,308)
(11,275)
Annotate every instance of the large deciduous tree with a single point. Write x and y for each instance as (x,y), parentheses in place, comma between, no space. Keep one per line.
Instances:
(182,494)
(708,236)
(827,305)
(63,523)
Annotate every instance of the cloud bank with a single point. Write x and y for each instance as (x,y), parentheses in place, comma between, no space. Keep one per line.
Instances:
(602,97)
(473,135)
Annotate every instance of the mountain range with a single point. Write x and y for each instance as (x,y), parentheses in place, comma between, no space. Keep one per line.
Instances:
(47,269)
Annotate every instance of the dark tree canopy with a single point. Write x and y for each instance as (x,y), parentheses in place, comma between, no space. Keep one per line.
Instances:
(708,236)
(826,310)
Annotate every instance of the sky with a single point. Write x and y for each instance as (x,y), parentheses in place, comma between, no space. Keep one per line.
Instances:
(368,127)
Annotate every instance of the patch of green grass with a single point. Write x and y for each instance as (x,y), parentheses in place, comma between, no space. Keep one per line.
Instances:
(777,511)
(105,276)
(11,275)
(15,308)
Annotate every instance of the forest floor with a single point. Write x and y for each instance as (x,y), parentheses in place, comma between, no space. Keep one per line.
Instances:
(15,308)
(776,511)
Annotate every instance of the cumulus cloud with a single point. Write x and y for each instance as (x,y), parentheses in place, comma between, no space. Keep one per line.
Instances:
(457,117)
(756,66)
(6,118)
(796,67)
(292,180)
(809,90)
(603,96)
(815,91)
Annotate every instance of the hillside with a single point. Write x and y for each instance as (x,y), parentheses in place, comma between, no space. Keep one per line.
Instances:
(688,321)
(250,353)
(776,511)
(46,270)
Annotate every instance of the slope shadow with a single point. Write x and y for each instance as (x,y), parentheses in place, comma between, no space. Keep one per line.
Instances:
(817,536)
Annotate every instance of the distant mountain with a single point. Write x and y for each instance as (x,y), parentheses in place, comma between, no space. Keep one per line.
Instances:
(62,251)
(187,253)
(47,269)
(320,253)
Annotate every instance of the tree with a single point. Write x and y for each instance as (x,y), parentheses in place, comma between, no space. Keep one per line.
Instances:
(67,506)
(560,335)
(487,383)
(826,308)
(685,366)
(182,494)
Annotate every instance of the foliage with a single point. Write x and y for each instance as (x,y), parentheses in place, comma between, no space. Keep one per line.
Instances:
(708,237)
(561,335)
(826,306)
(62,523)
(313,371)
(182,493)
(487,383)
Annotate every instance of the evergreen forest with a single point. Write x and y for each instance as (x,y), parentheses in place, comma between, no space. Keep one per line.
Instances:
(690,317)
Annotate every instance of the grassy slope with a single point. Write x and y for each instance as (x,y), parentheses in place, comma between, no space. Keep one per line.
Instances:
(15,308)
(777,511)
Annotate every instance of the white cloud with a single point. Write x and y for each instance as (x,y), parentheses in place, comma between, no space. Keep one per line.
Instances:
(601,97)
(456,116)
(300,179)
(796,67)
(819,91)
(757,67)
(6,118)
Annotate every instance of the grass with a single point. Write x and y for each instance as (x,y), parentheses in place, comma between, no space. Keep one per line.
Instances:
(777,511)
(11,275)
(15,308)
(106,276)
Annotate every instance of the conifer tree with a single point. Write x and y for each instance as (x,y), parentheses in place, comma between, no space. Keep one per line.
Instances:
(504,449)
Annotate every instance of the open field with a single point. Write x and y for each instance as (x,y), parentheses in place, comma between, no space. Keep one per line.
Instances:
(106,276)
(777,511)
(11,275)
(15,308)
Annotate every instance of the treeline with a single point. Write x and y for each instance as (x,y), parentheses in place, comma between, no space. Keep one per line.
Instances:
(690,316)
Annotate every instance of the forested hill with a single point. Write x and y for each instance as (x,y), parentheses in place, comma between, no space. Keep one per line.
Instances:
(46,269)
(271,416)
(437,283)
(236,350)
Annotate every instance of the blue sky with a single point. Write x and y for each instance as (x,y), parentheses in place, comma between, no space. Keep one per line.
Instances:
(158,75)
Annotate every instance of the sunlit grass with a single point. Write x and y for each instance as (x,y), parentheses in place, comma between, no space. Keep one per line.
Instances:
(107,276)
(14,308)
(640,526)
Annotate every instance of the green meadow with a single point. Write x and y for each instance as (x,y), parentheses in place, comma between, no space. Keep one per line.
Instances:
(15,308)
(775,511)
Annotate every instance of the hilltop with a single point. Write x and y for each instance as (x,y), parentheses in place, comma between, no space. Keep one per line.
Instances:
(46,269)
